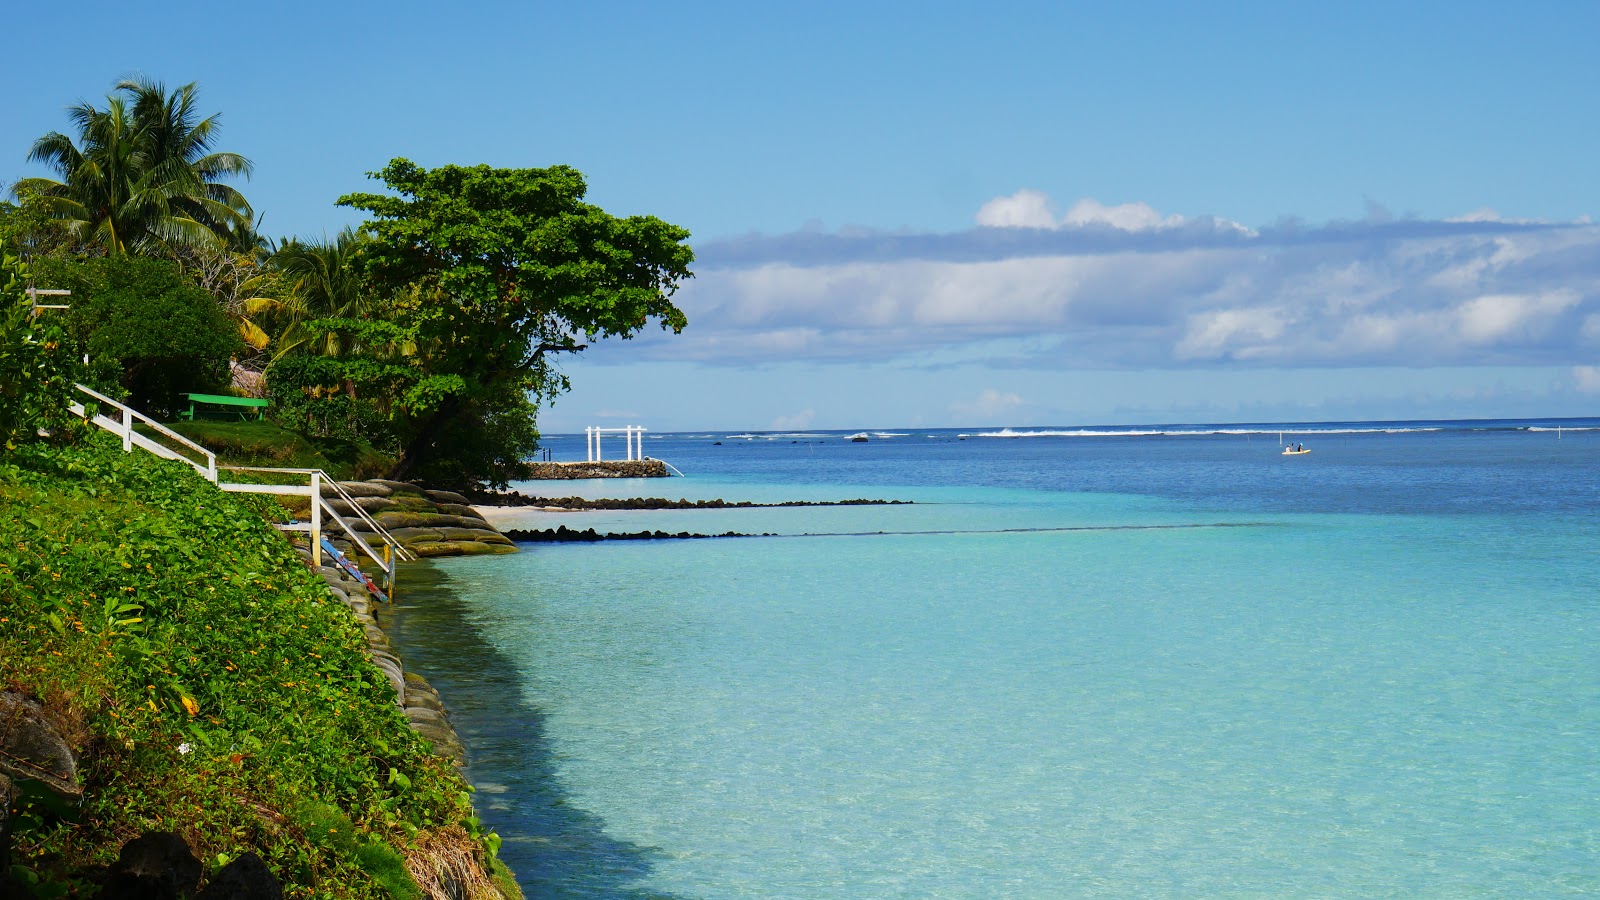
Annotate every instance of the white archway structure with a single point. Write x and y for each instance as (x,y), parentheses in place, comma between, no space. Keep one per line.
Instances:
(632,435)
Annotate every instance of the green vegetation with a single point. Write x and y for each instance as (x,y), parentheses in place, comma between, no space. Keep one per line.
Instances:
(268,444)
(37,367)
(140,176)
(209,684)
(432,332)
(146,329)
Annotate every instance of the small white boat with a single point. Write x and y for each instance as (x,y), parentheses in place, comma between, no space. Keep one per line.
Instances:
(1290,451)
(859,437)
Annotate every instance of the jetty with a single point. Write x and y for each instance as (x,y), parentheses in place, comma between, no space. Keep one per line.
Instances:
(633,464)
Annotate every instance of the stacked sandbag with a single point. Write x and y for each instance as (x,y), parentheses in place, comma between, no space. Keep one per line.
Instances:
(428,523)
(415,697)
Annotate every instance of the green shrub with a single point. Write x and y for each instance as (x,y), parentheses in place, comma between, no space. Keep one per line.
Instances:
(213,682)
(37,367)
(146,329)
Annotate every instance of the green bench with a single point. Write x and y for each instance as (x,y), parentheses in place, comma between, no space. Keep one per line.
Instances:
(223,406)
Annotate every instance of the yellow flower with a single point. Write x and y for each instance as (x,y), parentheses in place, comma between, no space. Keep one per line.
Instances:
(190,705)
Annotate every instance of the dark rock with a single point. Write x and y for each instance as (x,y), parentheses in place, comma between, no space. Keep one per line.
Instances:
(30,747)
(246,878)
(155,866)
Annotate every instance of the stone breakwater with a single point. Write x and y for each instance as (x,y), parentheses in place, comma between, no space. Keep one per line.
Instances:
(567,471)
(421,703)
(428,523)
(517,498)
(565,535)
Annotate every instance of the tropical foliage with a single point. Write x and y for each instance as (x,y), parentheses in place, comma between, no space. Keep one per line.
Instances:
(432,332)
(37,367)
(208,682)
(323,281)
(490,272)
(147,330)
(141,175)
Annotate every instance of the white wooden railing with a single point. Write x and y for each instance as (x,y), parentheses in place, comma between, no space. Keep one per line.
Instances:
(122,425)
(321,511)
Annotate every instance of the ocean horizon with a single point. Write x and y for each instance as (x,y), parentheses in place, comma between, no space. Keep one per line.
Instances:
(1102,661)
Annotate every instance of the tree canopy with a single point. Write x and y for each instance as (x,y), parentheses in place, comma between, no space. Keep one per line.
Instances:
(490,272)
(141,175)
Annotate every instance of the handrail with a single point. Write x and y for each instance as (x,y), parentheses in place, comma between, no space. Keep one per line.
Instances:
(668,465)
(129,437)
(328,480)
(319,504)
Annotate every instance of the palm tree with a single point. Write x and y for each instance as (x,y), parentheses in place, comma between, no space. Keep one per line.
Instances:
(323,283)
(141,174)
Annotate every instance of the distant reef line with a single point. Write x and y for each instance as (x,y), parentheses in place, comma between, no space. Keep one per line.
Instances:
(516,498)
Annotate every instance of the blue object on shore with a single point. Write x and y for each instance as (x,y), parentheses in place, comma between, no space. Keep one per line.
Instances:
(352,570)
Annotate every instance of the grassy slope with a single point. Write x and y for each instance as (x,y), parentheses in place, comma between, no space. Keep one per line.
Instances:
(207,680)
(266,444)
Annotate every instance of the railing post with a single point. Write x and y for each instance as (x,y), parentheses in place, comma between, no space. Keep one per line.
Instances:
(127,430)
(388,570)
(316,519)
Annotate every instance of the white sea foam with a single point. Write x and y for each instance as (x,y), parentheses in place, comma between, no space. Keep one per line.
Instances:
(1564,428)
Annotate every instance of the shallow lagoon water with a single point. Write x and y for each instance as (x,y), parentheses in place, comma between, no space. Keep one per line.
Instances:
(1373,675)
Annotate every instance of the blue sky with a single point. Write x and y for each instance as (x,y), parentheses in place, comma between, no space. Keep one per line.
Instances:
(1017,214)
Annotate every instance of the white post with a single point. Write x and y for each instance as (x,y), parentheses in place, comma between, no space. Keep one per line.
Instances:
(598,454)
(316,519)
(127,430)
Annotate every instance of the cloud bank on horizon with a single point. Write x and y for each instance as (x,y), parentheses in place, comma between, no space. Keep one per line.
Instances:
(1125,286)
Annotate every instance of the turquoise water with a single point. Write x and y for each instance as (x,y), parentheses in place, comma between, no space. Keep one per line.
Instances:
(1012,692)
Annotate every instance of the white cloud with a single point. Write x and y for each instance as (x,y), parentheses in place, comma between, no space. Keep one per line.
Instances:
(1024,209)
(1230,332)
(1124,216)
(988,406)
(1586,379)
(1028,208)
(1491,318)
(1138,292)
(796,422)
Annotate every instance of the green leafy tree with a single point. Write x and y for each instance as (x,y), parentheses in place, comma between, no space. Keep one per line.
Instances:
(490,273)
(323,281)
(37,367)
(147,330)
(141,175)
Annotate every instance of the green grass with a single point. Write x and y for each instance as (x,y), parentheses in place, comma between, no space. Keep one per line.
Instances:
(208,681)
(266,444)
